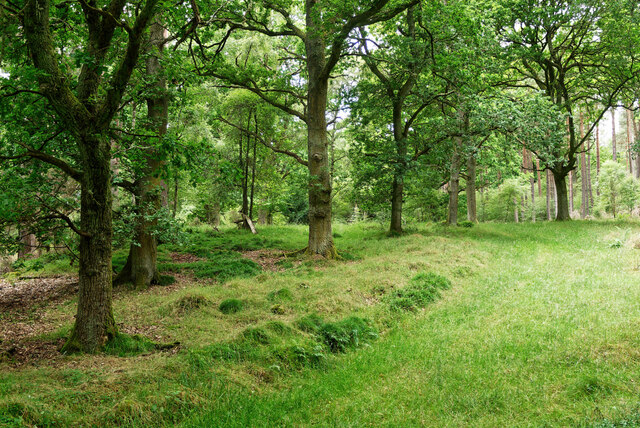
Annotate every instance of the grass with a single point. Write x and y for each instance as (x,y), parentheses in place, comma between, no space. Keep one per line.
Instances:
(525,325)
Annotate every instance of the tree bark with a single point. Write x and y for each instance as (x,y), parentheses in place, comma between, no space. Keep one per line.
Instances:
(548,195)
(396,204)
(320,235)
(562,210)
(584,201)
(454,185)
(613,134)
(141,268)
(472,209)
(94,323)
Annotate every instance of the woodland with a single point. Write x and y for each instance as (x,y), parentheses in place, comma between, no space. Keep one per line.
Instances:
(319,213)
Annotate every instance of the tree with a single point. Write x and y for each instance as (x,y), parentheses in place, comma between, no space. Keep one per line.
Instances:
(573,53)
(312,35)
(84,101)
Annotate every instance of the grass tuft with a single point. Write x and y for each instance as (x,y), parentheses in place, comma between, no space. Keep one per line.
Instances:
(191,302)
(231,306)
(124,345)
(347,334)
(423,289)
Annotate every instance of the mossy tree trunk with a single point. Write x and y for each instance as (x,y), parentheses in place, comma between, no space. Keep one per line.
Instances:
(141,268)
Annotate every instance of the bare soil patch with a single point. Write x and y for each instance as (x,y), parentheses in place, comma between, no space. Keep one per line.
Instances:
(185,258)
(268,259)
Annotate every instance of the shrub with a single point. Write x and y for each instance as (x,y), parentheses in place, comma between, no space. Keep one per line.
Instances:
(466,223)
(230,306)
(347,334)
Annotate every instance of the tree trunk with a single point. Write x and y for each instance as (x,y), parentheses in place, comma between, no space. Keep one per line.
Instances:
(472,210)
(533,198)
(454,185)
(253,166)
(141,268)
(562,200)
(94,323)
(515,212)
(396,204)
(613,134)
(539,177)
(548,195)
(584,201)
(570,192)
(629,157)
(320,236)
(28,244)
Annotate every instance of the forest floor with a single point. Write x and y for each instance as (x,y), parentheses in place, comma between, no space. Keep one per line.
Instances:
(539,328)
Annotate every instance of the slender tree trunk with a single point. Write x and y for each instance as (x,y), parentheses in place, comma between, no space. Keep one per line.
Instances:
(253,166)
(562,210)
(630,141)
(397,187)
(548,195)
(320,236)
(472,211)
(570,192)
(174,208)
(141,268)
(454,185)
(589,182)
(539,177)
(613,134)
(584,201)
(94,323)
(515,211)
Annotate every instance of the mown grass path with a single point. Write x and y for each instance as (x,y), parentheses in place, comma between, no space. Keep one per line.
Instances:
(541,328)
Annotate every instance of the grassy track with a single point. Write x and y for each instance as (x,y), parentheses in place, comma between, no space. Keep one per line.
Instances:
(545,331)
(541,328)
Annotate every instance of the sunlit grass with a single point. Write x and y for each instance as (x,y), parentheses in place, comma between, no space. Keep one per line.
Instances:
(539,328)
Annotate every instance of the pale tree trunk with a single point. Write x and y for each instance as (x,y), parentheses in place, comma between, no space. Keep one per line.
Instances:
(584,201)
(472,211)
(141,268)
(539,177)
(613,134)
(570,192)
(629,141)
(634,130)
(533,198)
(454,184)
(515,211)
(548,195)
(597,157)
